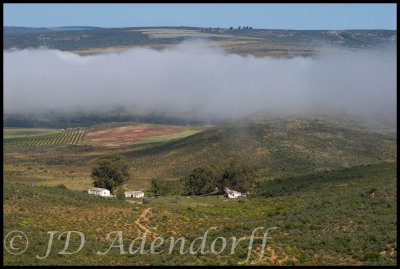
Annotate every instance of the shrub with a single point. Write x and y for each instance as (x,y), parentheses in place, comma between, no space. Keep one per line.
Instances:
(372,256)
(120,194)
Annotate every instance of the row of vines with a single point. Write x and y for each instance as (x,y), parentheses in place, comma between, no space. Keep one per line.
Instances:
(63,137)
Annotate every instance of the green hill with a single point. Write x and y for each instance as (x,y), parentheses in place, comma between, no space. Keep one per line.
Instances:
(276,146)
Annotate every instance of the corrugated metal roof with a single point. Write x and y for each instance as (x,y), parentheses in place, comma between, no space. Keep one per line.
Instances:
(97,189)
(133,192)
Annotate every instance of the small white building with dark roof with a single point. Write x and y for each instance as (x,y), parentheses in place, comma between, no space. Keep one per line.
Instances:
(99,192)
(134,194)
(234,194)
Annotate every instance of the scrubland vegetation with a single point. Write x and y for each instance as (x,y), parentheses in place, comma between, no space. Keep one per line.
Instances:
(334,221)
(325,214)
(328,186)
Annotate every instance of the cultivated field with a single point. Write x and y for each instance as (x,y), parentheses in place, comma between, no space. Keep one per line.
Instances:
(51,156)
(18,132)
(142,133)
(16,137)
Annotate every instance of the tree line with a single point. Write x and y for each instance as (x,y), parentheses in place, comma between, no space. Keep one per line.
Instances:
(111,171)
(208,179)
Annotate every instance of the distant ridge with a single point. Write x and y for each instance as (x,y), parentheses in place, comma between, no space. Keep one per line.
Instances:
(20,30)
(85,27)
(87,40)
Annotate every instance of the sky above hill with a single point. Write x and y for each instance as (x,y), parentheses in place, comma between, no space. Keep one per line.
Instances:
(266,16)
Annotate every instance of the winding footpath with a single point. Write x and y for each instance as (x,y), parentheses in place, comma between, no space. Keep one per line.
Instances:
(144,218)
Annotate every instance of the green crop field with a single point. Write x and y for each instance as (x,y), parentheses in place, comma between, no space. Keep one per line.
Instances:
(18,132)
(36,137)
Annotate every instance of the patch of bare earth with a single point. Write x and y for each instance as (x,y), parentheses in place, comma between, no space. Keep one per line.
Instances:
(144,218)
(125,135)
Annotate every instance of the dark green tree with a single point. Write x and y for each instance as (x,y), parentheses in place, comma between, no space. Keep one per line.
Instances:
(110,172)
(237,176)
(155,186)
(201,180)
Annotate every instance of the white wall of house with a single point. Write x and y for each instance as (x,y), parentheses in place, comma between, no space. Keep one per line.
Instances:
(134,194)
(234,194)
(100,192)
(105,193)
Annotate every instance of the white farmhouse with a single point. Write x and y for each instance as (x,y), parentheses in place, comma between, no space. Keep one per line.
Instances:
(234,194)
(134,194)
(99,191)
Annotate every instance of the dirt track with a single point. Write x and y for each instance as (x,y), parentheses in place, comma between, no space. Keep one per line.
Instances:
(144,218)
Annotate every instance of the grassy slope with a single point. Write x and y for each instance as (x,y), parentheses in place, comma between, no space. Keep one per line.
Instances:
(276,147)
(336,222)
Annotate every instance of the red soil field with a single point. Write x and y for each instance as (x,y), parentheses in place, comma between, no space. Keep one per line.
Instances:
(125,135)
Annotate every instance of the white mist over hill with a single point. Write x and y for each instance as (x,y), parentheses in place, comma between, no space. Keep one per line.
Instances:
(196,79)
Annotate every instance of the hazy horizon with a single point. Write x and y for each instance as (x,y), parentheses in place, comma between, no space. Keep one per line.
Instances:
(187,26)
(202,80)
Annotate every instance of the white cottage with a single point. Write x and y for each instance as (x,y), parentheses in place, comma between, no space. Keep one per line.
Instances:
(234,194)
(99,191)
(134,194)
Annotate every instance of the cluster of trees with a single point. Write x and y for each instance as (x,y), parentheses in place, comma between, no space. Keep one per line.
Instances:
(201,180)
(111,172)
(237,176)
(207,179)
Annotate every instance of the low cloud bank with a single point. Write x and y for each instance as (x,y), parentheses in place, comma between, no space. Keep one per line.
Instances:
(196,80)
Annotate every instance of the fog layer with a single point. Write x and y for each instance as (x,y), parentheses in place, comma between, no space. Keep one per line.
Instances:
(201,81)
